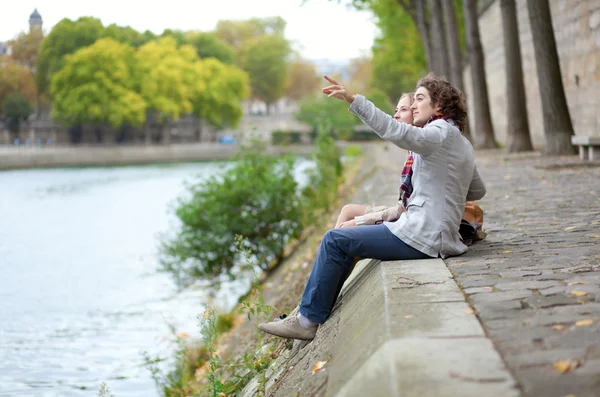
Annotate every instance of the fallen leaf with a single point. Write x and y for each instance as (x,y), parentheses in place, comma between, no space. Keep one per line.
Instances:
(506,251)
(595,236)
(580,301)
(583,323)
(570,227)
(318,366)
(469,311)
(183,335)
(558,327)
(564,366)
(577,283)
(578,293)
(408,316)
(570,395)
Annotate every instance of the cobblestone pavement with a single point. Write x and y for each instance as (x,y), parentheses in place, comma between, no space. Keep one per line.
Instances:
(535,281)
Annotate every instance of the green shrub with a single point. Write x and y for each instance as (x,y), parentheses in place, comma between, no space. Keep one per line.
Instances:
(353,150)
(256,198)
(324,179)
(285,137)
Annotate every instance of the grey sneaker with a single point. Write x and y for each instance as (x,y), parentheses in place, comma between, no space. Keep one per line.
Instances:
(288,328)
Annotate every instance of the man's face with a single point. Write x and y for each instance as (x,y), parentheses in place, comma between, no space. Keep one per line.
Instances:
(422,108)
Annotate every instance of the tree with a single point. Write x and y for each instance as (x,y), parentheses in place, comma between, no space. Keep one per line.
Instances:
(225,86)
(398,54)
(518,138)
(24,51)
(125,34)
(179,36)
(236,33)
(15,78)
(360,72)
(265,60)
(302,81)
(454,49)
(97,85)
(171,77)
(558,128)
(484,132)
(440,63)
(322,111)
(65,38)
(25,48)
(208,46)
(16,109)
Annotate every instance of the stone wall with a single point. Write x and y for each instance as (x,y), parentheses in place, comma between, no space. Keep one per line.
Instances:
(577,30)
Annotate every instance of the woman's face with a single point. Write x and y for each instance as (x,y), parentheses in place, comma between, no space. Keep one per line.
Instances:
(422,109)
(403,112)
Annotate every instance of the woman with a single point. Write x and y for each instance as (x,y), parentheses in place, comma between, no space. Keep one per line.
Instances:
(444,173)
(351,213)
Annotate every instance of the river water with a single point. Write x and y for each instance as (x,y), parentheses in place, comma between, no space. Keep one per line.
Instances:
(80,298)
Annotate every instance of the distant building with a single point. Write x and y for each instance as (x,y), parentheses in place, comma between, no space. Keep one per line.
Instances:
(35,20)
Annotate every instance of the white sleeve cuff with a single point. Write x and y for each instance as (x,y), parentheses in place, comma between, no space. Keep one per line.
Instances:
(359,220)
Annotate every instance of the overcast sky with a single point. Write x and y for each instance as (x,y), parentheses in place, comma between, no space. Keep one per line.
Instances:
(320,28)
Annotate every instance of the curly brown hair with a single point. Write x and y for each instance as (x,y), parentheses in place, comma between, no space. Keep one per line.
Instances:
(450,99)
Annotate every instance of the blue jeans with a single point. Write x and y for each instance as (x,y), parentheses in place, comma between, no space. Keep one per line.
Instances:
(334,261)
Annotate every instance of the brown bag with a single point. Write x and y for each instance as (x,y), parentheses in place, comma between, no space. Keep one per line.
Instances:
(473,213)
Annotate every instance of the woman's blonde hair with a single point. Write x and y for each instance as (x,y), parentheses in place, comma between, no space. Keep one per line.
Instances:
(410,95)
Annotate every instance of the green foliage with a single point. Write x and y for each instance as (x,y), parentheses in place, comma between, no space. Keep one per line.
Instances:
(128,35)
(282,137)
(65,38)
(225,322)
(96,85)
(322,189)
(208,46)
(333,113)
(265,60)
(380,99)
(171,77)
(16,109)
(256,198)
(398,55)
(225,86)
(352,150)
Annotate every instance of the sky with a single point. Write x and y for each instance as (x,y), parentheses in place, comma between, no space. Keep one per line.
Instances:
(320,29)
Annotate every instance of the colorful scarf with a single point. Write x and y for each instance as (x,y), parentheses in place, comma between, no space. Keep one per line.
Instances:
(406,187)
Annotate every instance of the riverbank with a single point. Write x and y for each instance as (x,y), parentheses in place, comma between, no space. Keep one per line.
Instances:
(68,156)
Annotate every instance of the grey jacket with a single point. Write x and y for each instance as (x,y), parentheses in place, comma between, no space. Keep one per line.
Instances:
(444,178)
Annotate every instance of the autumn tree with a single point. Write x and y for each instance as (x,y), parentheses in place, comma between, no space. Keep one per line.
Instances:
(558,128)
(97,86)
(360,71)
(302,81)
(265,61)
(15,78)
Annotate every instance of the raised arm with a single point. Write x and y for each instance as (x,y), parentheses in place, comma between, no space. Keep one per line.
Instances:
(476,188)
(423,141)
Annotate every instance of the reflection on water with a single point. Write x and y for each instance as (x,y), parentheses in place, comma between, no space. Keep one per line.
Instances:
(79,296)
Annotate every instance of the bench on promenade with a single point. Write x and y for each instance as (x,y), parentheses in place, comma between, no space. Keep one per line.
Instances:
(589,146)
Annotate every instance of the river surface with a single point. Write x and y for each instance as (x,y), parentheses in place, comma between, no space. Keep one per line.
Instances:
(80,298)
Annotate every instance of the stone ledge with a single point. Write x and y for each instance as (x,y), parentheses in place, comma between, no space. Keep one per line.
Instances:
(415,339)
